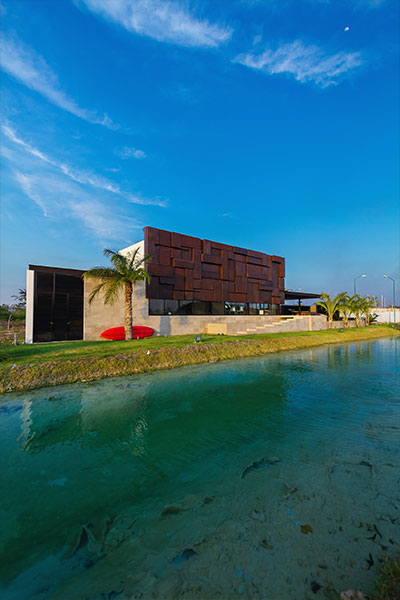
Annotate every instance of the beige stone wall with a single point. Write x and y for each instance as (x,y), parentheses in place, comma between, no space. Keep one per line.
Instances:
(99,316)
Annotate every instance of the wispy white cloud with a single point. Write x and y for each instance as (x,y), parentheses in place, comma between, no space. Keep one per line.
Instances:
(304,63)
(60,199)
(31,69)
(25,182)
(163,20)
(85,178)
(128,152)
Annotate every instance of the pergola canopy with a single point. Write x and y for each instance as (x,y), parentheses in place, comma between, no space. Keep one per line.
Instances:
(290,295)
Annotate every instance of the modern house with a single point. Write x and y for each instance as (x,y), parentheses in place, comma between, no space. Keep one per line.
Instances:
(196,286)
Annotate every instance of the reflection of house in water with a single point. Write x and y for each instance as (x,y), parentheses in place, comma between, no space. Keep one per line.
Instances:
(115,415)
(85,417)
(51,421)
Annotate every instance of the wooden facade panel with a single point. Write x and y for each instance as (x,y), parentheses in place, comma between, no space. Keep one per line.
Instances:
(164,256)
(206,246)
(176,240)
(207,295)
(208,268)
(191,242)
(182,263)
(160,270)
(254,260)
(189,280)
(180,279)
(266,286)
(188,268)
(207,284)
(240,269)
(186,253)
(179,294)
(209,258)
(165,238)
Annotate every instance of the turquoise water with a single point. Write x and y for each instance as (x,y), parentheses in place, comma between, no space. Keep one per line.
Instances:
(273,478)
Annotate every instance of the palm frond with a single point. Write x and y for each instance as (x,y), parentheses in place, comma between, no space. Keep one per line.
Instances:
(145,259)
(100,273)
(95,291)
(132,258)
(112,290)
(124,269)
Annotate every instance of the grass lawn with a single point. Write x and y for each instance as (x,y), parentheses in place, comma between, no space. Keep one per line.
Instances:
(37,353)
(36,365)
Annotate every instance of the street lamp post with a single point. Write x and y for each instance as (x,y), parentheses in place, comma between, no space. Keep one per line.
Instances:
(355,279)
(394,296)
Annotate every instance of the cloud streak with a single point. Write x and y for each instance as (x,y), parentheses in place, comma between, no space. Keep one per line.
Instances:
(305,63)
(28,67)
(127,152)
(162,20)
(88,179)
(60,199)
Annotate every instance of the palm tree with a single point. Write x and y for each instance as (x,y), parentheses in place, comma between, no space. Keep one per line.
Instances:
(368,302)
(123,274)
(346,308)
(358,306)
(331,305)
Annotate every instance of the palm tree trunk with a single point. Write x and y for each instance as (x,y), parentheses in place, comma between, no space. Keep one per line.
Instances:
(128,310)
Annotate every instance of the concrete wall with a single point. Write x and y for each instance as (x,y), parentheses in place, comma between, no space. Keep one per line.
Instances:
(99,316)
(385,315)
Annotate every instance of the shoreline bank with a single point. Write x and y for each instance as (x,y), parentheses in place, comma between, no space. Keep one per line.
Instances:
(27,377)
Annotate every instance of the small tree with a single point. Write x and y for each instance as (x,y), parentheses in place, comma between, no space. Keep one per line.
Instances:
(20,298)
(358,306)
(368,303)
(346,308)
(331,305)
(124,273)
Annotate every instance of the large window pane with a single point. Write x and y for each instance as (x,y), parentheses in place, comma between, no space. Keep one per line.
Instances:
(171,307)
(185,307)
(200,307)
(217,308)
(156,307)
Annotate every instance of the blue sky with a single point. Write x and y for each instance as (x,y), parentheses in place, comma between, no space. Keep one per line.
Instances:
(269,124)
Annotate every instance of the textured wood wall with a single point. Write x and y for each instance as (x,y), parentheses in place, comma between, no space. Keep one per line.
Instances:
(188,268)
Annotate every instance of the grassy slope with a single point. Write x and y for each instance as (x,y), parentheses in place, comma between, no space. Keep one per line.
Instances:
(38,353)
(31,366)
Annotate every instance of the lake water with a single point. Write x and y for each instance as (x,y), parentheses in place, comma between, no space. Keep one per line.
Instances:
(274,478)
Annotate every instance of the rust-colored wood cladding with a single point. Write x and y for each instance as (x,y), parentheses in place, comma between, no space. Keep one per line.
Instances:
(187,268)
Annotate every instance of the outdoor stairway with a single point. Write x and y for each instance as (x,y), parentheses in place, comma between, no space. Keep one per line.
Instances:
(275,325)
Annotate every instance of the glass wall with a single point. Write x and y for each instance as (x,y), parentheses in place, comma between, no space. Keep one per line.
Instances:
(199,307)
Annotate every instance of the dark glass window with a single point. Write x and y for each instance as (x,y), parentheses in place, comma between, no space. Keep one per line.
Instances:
(253,308)
(201,308)
(58,307)
(156,307)
(171,307)
(185,307)
(44,282)
(217,308)
(69,284)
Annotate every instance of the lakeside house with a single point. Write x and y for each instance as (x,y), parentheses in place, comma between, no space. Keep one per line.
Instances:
(196,286)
